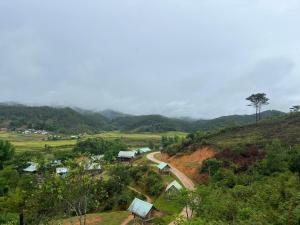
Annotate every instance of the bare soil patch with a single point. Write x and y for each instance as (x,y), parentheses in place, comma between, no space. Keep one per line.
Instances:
(189,164)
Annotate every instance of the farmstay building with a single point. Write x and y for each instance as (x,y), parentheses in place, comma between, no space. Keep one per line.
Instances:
(143,150)
(164,168)
(32,168)
(62,171)
(93,167)
(126,155)
(173,187)
(141,210)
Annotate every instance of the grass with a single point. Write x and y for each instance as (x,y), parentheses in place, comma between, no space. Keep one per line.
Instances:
(107,218)
(37,142)
(169,207)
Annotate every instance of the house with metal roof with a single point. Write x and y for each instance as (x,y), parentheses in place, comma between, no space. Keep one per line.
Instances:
(164,167)
(97,157)
(126,155)
(141,209)
(173,187)
(33,167)
(61,170)
(143,150)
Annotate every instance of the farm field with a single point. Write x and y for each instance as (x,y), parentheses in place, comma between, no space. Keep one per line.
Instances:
(37,142)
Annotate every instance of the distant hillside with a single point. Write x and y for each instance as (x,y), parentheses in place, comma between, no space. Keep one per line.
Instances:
(64,120)
(111,114)
(76,120)
(150,123)
(233,120)
(286,128)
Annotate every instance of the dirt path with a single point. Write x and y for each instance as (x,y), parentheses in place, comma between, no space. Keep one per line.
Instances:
(137,191)
(187,182)
(128,219)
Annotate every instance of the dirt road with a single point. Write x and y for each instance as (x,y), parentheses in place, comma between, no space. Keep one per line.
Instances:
(187,182)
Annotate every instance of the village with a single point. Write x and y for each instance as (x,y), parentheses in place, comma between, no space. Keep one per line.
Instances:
(143,211)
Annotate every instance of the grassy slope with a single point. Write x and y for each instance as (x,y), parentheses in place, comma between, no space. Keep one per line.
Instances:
(109,218)
(284,128)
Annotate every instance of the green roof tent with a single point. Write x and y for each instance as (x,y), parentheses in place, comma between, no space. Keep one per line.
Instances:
(127,154)
(174,185)
(140,208)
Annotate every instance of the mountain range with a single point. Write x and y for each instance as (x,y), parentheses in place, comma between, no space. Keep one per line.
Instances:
(76,120)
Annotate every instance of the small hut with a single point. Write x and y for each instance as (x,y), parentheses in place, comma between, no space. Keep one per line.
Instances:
(62,171)
(93,167)
(32,168)
(141,210)
(164,168)
(173,187)
(143,150)
(126,155)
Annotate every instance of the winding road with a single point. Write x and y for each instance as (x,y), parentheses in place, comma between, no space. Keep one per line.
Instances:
(187,182)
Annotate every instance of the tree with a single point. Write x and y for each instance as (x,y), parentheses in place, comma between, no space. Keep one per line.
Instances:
(211,166)
(258,101)
(295,108)
(78,193)
(7,152)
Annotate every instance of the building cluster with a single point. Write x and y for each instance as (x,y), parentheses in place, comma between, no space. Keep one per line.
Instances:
(144,211)
(34,131)
(92,166)
(130,155)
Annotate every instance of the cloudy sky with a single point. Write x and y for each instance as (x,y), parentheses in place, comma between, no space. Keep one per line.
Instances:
(172,57)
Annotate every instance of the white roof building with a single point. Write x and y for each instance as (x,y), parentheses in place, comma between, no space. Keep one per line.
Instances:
(143,150)
(140,208)
(174,185)
(127,154)
(92,166)
(33,167)
(61,170)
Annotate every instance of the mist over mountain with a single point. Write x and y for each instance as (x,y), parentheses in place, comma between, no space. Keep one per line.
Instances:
(77,120)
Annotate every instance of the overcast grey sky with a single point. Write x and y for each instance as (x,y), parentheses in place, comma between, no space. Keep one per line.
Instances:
(172,57)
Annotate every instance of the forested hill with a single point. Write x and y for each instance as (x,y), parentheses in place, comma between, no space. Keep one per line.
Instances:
(63,120)
(68,120)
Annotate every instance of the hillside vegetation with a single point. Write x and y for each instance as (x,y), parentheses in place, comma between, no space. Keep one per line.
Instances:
(252,177)
(68,120)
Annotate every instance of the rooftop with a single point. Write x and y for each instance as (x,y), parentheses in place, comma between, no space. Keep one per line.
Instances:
(162,165)
(32,167)
(174,184)
(140,207)
(126,154)
(144,150)
(61,170)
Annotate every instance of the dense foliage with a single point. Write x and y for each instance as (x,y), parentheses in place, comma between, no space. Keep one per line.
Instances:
(100,146)
(265,192)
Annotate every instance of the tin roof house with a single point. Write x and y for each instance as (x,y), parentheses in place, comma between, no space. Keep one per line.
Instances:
(174,186)
(61,170)
(143,150)
(164,167)
(126,155)
(141,210)
(33,167)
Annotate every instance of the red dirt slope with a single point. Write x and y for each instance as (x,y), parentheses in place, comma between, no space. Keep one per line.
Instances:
(190,164)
